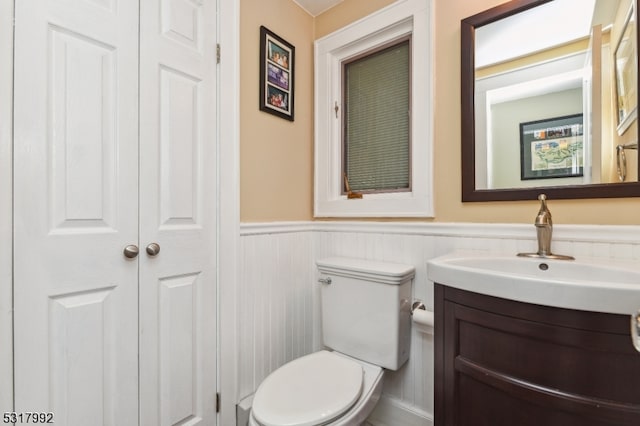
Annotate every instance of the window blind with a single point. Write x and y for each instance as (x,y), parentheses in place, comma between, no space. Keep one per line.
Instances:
(377,120)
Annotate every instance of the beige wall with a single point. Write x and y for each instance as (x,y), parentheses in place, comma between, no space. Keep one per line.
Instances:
(345,13)
(277,156)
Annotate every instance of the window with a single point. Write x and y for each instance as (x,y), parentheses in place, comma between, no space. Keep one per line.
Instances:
(373,123)
(376,119)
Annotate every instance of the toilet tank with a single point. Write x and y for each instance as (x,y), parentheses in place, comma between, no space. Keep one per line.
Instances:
(366,309)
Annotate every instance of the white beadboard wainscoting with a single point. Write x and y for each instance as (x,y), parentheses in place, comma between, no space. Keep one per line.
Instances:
(279,294)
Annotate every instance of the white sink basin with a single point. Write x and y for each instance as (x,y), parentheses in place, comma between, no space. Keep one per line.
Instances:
(599,285)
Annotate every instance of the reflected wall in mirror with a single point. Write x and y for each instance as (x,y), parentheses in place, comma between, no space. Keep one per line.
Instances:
(539,61)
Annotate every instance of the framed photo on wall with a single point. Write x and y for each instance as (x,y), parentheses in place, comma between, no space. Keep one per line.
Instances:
(552,148)
(626,74)
(277,60)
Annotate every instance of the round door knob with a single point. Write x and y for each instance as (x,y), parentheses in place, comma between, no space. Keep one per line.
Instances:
(131,251)
(153,249)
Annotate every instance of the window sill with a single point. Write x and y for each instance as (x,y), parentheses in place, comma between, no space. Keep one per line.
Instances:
(387,205)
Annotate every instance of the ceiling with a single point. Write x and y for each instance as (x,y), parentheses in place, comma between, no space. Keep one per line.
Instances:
(316,7)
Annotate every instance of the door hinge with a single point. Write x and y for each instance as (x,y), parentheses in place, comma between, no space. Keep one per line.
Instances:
(217,402)
(218,53)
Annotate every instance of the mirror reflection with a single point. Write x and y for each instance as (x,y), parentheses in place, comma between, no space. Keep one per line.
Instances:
(555,96)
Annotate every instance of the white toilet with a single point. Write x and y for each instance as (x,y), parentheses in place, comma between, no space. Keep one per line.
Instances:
(366,321)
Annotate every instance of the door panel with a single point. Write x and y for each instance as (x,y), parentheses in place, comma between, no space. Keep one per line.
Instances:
(76,196)
(179,344)
(83,176)
(179,149)
(82,358)
(177,210)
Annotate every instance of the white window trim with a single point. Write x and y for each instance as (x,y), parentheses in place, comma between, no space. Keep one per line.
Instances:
(393,22)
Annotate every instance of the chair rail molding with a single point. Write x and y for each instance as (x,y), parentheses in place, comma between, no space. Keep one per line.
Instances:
(614,234)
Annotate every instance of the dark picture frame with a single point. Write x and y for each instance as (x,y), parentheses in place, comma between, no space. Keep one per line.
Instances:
(277,72)
(626,73)
(552,148)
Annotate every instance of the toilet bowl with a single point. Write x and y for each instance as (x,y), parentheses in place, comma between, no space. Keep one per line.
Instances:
(323,388)
(365,312)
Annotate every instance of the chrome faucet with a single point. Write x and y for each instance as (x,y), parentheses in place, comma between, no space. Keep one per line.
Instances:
(544,230)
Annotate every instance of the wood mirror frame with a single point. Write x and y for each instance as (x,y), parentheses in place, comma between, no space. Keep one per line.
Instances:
(469,191)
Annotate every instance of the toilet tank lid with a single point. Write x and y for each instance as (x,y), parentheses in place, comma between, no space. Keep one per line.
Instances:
(372,270)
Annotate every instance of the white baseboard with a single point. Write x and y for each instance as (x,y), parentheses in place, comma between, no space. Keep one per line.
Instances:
(391,412)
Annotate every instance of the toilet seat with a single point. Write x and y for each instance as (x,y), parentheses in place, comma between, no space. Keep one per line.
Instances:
(309,391)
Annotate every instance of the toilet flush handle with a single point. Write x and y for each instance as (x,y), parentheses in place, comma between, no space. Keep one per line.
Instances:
(325,280)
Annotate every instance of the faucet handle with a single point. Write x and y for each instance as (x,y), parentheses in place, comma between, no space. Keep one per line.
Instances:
(543,217)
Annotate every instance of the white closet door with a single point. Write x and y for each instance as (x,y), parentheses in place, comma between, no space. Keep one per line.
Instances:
(76,208)
(177,212)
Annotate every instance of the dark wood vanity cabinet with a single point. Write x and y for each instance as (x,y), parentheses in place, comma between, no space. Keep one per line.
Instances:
(504,363)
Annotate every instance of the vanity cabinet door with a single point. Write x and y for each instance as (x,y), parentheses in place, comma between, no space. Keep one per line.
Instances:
(504,363)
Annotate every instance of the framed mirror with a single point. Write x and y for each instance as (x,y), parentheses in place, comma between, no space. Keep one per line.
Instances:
(549,100)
